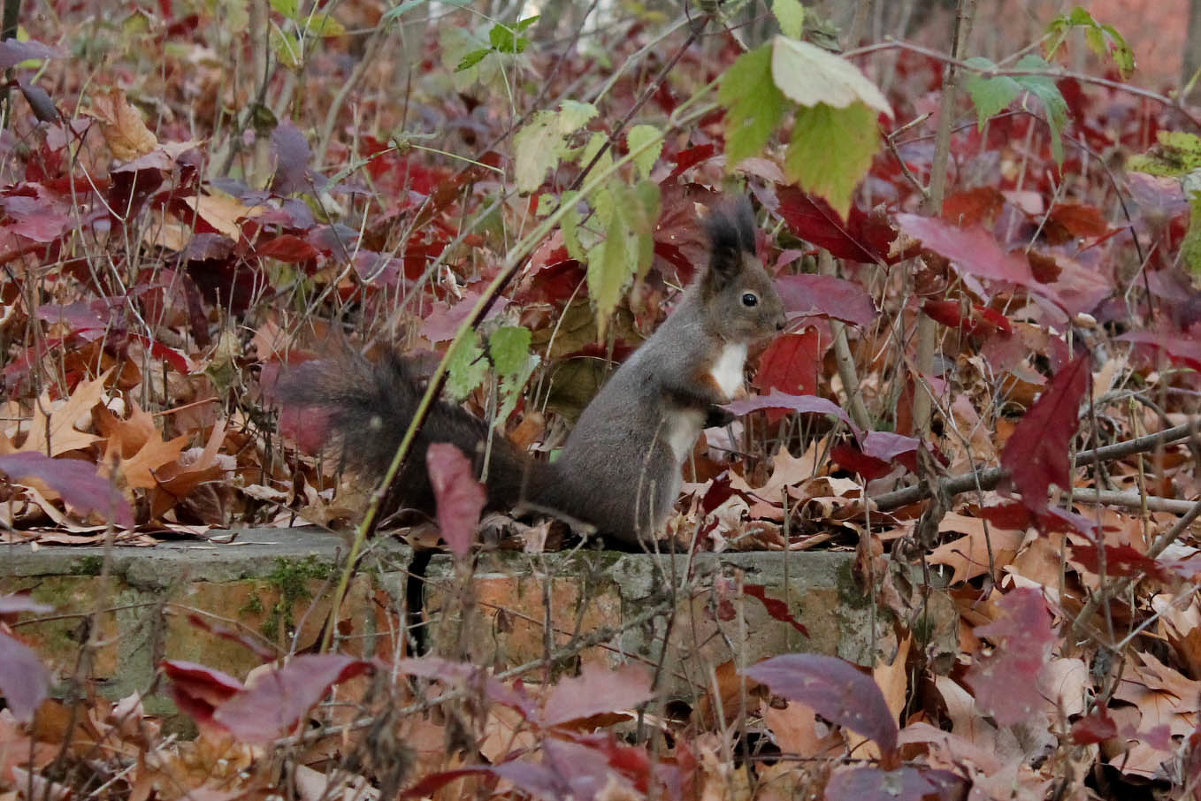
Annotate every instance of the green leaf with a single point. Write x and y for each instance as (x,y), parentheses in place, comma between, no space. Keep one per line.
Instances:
(1122,55)
(1177,154)
(832,150)
(1043,87)
(538,146)
(471,59)
(791,16)
(287,48)
(630,215)
(1104,40)
(990,95)
(505,40)
(324,25)
(289,8)
(609,269)
(509,347)
(754,106)
(526,23)
(808,75)
(1190,248)
(570,227)
(511,388)
(467,369)
(648,137)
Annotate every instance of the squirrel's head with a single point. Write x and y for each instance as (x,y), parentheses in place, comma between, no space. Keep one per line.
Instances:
(737,293)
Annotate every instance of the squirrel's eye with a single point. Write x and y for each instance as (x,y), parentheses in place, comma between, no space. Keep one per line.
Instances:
(750,300)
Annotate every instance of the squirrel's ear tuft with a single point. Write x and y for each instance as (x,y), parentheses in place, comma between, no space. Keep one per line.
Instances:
(731,227)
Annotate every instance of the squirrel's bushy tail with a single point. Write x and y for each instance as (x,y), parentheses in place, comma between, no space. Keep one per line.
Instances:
(369,406)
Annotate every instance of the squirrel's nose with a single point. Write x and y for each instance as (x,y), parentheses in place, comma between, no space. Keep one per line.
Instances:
(781,323)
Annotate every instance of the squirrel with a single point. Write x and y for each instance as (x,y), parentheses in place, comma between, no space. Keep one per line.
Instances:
(621,468)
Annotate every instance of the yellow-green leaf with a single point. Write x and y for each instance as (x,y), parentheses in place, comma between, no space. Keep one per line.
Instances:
(791,16)
(538,146)
(832,150)
(642,141)
(754,106)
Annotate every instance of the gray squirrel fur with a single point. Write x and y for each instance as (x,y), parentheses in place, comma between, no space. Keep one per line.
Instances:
(621,467)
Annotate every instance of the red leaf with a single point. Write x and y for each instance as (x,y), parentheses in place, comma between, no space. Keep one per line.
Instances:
(595,691)
(1095,728)
(460,498)
(792,363)
(812,219)
(287,248)
(1120,560)
(279,698)
(1183,349)
(888,446)
(835,690)
(76,481)
(1079,221)
(978,320)
(776,608)
(902,784)
(442,323)
(292,157)
(973,250)
(1015,516)
(826,296)
(802,404)
(1006,681)
(35,217)
(24,681)
(850,457)
(1037,453)
(977,206)
(198,690)
(692,156)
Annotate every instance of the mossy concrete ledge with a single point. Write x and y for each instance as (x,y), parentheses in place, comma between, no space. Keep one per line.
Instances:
(273,585)
(691,615)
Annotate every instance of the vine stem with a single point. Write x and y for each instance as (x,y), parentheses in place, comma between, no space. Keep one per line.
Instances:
(1010,72)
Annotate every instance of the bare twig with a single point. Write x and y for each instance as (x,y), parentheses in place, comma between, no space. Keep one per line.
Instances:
(991,478)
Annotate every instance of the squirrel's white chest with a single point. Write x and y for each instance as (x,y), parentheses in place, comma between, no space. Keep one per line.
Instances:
(683,428)
(727,370)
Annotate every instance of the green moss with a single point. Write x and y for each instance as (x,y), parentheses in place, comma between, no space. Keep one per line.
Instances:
(850,593)
(88,566)
(291,579)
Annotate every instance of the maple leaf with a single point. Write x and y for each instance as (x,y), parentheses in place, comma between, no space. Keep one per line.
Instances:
(1006,681)
(54,432)
(1037,454)
(139,469)
(126,133)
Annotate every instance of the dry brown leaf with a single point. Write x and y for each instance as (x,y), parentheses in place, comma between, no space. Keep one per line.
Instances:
(139,470)
(126,133)
(795,729)
(52,430)
(222,212)
(968,555)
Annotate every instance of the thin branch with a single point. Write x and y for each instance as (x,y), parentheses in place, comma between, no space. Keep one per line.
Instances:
(991,478)
(997,72)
